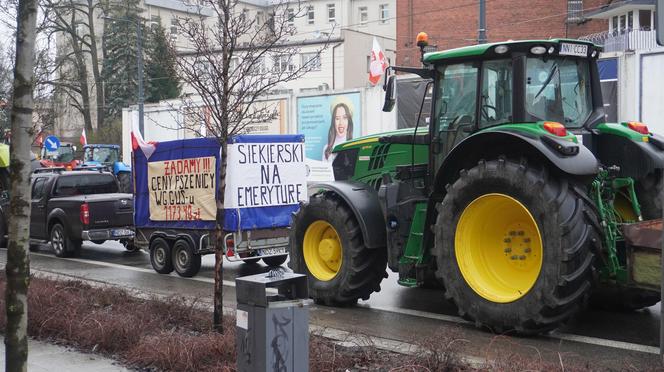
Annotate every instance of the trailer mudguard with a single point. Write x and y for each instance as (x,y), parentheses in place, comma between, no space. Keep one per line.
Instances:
(363,201)
(569,157)
(636,158)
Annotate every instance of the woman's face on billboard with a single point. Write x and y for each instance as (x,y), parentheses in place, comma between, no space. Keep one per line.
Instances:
(340,121)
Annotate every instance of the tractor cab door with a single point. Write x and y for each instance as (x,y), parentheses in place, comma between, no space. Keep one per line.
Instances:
(455,111)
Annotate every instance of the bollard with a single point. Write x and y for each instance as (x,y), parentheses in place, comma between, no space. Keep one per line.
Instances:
(272,328)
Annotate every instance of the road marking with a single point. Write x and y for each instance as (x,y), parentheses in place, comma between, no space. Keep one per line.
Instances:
(396,310)
(555,335)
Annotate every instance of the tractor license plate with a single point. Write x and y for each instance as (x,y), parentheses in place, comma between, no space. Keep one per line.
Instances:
(272,251)
(578,50)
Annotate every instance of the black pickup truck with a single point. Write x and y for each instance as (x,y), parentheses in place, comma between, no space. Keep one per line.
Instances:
(71,206)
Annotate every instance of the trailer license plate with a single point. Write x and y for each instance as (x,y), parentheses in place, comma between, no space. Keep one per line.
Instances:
(578,50)
(272,251)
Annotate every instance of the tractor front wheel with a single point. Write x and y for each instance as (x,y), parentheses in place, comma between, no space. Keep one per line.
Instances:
(124,179)
(513,247)
(327,246)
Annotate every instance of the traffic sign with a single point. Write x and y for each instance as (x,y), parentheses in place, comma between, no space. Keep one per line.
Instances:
(51,143)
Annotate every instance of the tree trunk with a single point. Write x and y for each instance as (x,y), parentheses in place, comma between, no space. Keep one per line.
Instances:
(95,65)
(218,314)
(82,72)
(18,265)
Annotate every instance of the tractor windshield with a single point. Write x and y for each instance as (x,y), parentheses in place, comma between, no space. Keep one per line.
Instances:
(64,154)
(558,89)
(104,155)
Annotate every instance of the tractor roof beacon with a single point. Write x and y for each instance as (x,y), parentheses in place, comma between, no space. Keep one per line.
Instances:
(515,200)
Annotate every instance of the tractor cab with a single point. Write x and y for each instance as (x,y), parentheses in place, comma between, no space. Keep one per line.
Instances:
(101,155)
(64,156)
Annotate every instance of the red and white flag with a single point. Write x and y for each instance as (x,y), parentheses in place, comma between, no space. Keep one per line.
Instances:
(378,63)
(84,138)
(137,142)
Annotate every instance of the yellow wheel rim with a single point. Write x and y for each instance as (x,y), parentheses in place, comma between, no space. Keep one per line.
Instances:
(322,250)
(498,248)
(623,207)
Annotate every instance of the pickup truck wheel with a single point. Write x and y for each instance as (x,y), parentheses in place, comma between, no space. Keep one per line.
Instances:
(99,241)
(160,256)
(62,245)
(275,260)
(185,261)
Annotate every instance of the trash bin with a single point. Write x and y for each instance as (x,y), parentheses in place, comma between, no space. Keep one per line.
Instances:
(272,327)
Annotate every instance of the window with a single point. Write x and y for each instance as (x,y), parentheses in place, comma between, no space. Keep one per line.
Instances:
(174,29)
(644,20)
(331,13)
(38,188)
(290,16)
(496,98)
(630,21)
(622,23)
(311,61)
(259,19)
(283,63)
(310,15)
(258,67)
(87,184)
(574,11)
(384,13)
(154,22)
(364,15)
(614,25)
(457,101)
(233,64)
(558,89)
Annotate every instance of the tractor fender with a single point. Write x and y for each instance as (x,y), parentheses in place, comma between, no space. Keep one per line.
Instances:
(635,159)
(119,167)
(487,145)
(363,200)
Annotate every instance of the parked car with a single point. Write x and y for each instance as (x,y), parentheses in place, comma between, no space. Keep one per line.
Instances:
(69,207)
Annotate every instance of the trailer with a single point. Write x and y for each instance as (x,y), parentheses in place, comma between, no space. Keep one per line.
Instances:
(177,199)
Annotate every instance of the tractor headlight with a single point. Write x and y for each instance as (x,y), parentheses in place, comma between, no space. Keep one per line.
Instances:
(538,50)
(501,49)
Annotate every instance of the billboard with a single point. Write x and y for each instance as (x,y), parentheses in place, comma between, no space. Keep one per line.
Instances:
(326,121)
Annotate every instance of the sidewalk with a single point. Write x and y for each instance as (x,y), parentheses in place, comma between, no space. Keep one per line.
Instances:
(43,357)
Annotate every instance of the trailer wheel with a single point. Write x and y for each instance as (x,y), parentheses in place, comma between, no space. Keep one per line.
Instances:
(251,261)
(124,179)
(185,260)
(160,256)
(275,260)
(62,245)
(326,245)
(513,247)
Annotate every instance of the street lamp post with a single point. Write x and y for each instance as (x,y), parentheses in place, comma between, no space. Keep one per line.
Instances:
(139,63)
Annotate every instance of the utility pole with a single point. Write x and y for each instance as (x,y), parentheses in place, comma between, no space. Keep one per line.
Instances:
(482,30)
(139,58)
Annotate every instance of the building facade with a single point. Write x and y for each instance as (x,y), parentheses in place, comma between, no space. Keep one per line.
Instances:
(452,24)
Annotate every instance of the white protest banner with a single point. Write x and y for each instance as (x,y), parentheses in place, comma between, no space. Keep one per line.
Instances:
(183,189)
(265,174)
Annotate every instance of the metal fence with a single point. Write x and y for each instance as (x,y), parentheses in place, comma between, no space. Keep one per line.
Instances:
(624,40)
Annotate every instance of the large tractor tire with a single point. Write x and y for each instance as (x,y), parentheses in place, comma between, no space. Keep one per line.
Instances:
(514,247)
(124,179)
(327,246)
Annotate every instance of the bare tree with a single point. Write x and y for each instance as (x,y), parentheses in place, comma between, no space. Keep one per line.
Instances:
(18,265)
(78,55)
(238,59)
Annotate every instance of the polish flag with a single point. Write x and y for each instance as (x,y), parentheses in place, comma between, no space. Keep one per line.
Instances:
(137,142)
(84,138)
(378,63)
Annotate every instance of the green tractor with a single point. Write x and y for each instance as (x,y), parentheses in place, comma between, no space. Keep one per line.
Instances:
(514,200)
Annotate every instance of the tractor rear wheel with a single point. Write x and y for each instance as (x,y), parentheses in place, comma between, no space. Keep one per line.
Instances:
(513,247)
(124,179)
(327,246)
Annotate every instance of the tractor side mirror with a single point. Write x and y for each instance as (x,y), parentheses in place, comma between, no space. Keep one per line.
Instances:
(659,21)
(390,94)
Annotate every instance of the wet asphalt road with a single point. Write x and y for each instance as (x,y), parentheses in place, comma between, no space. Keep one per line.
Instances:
(597,338)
